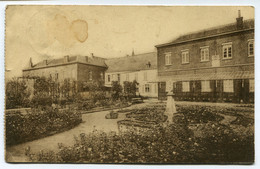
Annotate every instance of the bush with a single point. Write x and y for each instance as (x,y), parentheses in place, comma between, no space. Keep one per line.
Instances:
(37,124)
(112,115)
(188,140)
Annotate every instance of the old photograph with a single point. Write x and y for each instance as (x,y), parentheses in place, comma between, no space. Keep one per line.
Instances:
(129,84)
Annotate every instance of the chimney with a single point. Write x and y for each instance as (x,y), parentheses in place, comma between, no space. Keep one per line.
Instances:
(30,63)
(133,52)
(92,55)
(66,59)
(239,21)
(86,58)
(46,62)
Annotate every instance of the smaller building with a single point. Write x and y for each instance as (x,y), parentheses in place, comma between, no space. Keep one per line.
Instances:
(78,69)
(141,67)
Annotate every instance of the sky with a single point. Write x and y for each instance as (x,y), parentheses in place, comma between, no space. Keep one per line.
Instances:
(49,32)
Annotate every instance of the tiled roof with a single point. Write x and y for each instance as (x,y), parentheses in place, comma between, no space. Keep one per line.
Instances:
(97,61)
(247,24)
(132,63)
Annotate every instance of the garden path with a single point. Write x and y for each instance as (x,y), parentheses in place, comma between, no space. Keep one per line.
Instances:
(90,121)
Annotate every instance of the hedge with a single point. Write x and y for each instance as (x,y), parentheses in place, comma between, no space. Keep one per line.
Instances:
(37,124)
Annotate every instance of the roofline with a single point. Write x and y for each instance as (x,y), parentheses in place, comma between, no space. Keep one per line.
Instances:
(63,64)
(130,71)
(129,56)
(206,37)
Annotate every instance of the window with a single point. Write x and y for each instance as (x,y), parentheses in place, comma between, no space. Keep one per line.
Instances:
(228,86)
(145,75)
(147,88)
(185,56)
(108,78)
(251,47)
(118,77)
(101,75)
(90,75)
(168,58)
(205,86)
(204,53)
(136,76)
(251,85)
(227,50)
(127,77)
(185,86)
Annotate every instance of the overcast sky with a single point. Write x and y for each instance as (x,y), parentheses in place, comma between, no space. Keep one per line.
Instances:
(48,32)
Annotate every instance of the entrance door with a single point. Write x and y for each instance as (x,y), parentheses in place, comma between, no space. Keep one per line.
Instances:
(162,91)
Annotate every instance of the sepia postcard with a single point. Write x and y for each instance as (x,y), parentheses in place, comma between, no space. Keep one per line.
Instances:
(129,84)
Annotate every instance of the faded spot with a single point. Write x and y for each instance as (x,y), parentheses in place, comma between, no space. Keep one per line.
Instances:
(59,27)
(80,30)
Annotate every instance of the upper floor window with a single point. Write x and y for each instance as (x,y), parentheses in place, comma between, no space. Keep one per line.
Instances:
(90,75)
(185,56)
(101,75)
(204,53)
(168,58)
(145,75)
(251,47)
(227,50)
(136,76)
(108,78)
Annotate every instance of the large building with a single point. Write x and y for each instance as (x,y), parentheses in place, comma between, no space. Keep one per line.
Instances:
(83,69)
(216,64)
(141,67)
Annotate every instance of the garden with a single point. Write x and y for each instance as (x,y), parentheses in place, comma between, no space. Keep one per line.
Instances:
(38,124)
(199,134)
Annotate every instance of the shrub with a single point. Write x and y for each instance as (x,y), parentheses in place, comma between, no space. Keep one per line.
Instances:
(37,124)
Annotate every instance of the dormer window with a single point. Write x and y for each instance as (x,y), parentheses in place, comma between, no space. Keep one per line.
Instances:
(251,47)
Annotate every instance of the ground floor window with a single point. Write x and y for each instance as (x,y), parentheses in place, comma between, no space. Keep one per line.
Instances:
(228,86)
(147,88)
(205,86)
(251,85)
(185,86)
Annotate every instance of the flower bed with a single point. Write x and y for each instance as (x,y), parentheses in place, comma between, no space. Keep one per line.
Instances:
(212,142)
(37,124)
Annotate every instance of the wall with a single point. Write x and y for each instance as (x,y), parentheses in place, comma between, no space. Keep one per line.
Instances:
(239,52)
(139,76)
(64,72)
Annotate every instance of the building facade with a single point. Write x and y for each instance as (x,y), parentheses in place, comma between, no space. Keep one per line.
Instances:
(80,69)
(211,65)
(141,68)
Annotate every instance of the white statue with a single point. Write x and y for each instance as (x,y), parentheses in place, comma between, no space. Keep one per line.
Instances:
(170,107)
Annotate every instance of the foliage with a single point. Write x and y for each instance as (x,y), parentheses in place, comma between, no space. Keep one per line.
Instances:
(37,124)
(16,94)
(187,140)
(130,89)
(116,90)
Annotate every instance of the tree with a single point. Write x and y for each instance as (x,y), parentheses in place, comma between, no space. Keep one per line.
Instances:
(17,94)
(130,89)
(116,90)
